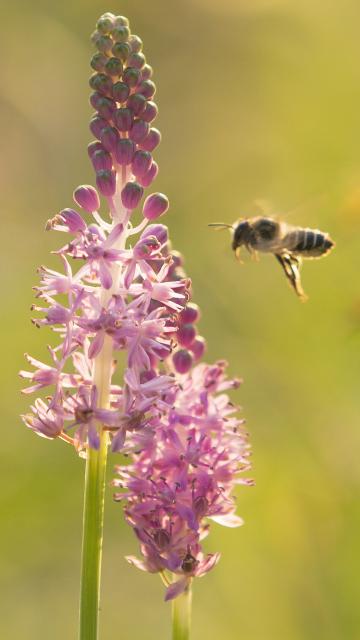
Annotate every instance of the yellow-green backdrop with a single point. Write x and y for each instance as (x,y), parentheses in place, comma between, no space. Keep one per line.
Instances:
(259,99)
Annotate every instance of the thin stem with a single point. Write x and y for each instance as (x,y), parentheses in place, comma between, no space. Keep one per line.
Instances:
(181,616)
(92,540)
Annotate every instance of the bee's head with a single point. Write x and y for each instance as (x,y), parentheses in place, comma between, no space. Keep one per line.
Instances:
(241,234)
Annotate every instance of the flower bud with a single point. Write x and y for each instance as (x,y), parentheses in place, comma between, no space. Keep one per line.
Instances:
(101,83)
(152,140)
(120,91)
(137,60)
(93,147)
(147,88)
(105,23)
(124,151)
(136,103)
(131,195)
(150,175)
(87,198)
(160,232)
(97,124)
(98,61)
(186,334)
(114,67)
(121,50)
(182,361)
(191,313)
(150,112)
(121,33)
(141,163)
(139,131)
(155,205)
(198,347)
(121,21)
(135,43)
(131,76)
(109,137)
(105,106)
(104,43)
(123,119)
(106,182)
(101,160)
(146,72)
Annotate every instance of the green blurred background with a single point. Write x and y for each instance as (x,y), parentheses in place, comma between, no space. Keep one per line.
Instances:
(258,99)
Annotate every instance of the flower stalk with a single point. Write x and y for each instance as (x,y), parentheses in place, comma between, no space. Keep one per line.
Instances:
(181,616)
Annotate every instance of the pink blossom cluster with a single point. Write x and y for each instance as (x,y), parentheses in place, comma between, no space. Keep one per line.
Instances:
(127,349)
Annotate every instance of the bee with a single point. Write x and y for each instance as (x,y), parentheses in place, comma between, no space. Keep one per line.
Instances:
(289,244)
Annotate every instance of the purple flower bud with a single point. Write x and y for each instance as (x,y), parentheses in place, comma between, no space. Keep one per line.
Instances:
(150,176)
(121,21)
(105,106)
(97,124)
(105,24)
(114,67)
(98,61)
(152,140)
(191,313)
(135,43)
(137,60)
(147,88)
(123,119)
(73,220)
(146,72)
(139,131)
(101,83)
(121,50)
(182,361)
(106,182)
(136,103)
(141,163)
(198,347)
(131,195)
(109,137)
(93,147)
(101,159)
(121,33)
(104,43)
(160,232)
(186,334)
(120,91)
(87,198)
(124,151)
(150,112)
(131,76)
(155,205)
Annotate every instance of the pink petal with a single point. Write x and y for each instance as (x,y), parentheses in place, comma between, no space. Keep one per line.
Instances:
(176,588)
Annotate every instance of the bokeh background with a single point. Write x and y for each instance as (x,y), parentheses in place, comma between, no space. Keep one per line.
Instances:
(259,99)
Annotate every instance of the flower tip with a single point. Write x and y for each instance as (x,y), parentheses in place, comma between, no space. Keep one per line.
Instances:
(87,198)
(155,206)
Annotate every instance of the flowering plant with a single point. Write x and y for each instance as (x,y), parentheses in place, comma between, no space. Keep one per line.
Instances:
(128,302)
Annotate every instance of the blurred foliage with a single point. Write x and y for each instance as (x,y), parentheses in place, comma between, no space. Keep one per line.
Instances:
(258,99)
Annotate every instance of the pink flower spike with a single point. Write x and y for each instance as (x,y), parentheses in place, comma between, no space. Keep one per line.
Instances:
(87,198)
(155,206)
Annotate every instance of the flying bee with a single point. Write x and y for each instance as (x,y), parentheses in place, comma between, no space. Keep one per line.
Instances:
(288,243)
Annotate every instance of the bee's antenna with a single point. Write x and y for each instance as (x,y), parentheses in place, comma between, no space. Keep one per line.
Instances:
(221,225)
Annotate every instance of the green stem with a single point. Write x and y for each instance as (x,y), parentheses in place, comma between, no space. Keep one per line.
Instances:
(92,539)
(181,616)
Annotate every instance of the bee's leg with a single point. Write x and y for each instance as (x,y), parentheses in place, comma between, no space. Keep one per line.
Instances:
(291,267)
(237,255)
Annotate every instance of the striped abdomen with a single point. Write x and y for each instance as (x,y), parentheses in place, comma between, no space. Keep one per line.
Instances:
(309,243)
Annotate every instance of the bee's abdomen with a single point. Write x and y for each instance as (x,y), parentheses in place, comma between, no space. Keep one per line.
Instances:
(309,242)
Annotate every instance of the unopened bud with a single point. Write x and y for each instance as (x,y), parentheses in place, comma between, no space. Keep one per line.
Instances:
(191,313)
(101,160)
(147,88)
(160,232)
(87,198)
(150,112)
(109,138)
(101,83)
(152,140)
(106,182)
(97,124)
(121,50)
(146,72)
(131,76)
(182,361)
(121,33)
(135,43)
(141,163)
(114,67)
(131,195)
(123,119)
(186,334)
(120,91)
(136,103)
(155,206)
(104,43)
(198,347)
(137,60)
(124,151)
(139,131)
(98,61)
(150,175)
